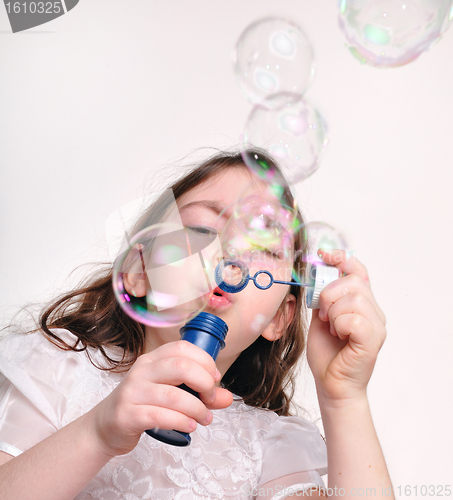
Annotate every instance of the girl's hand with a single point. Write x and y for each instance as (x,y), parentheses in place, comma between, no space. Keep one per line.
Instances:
(148,397)
(346,333)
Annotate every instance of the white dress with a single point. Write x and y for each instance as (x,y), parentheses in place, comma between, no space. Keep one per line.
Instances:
(43,388)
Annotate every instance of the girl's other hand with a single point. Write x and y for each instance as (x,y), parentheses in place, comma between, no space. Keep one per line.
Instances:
(148,397)
(346,333)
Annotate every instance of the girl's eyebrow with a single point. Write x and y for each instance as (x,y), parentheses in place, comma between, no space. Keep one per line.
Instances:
(210,204)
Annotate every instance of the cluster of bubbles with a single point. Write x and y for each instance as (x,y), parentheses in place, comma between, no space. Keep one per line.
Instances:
(274,65)
(391,33)
(167,273)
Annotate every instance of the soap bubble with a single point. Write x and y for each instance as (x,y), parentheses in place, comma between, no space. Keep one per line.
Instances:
(165,276)
(263,215)
(258,240)
(273,55)
(294,133)
(258,323)
(318,235)
(258,164)
(391,33)
(448,20)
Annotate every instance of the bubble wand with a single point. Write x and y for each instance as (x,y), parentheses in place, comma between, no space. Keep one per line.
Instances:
(319,277)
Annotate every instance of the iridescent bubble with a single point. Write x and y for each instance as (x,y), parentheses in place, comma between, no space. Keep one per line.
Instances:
(269,250)
(258,323)
(390,33)
(273,55)
(449,19)
(164,277)
(263,216)
(317,235)
(259,165)
(293,132)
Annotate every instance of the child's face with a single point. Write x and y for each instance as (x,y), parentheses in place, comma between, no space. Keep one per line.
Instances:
(251,312)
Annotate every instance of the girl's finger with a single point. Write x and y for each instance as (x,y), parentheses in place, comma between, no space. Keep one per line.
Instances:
(175,371)
(183,349)
(223,399)
(347,264)
(149,417)
(176,399)
(362,334)
(179,370)
(351,284)
(358,305)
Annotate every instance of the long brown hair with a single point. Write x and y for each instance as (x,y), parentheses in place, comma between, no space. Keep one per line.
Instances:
(263,374)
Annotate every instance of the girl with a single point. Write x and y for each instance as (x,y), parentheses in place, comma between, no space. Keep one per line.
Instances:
(77,394)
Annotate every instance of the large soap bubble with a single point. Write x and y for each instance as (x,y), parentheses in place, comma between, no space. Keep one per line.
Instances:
(292,131)
(390,33)
(165,276)
(317,235)
(273,55)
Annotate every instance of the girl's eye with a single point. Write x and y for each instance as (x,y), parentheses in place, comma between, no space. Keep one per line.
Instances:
(266,251)
(203,230)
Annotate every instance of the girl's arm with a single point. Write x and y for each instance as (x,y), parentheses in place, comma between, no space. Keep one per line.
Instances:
(60,466)
(344,339)
(355,460)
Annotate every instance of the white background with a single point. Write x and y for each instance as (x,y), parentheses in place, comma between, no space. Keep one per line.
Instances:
(95,103)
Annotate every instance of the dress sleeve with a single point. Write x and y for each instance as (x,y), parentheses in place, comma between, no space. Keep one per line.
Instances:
(293,452)
(35,379)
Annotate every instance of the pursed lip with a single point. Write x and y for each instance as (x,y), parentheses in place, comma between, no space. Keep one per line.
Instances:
(220,299)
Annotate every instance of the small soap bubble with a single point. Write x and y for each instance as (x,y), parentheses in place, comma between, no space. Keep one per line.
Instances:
(165,276)
(294,132)
(322,236)
(258,323)
(273,55)
(318,235)
(263,216)
(391,33)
